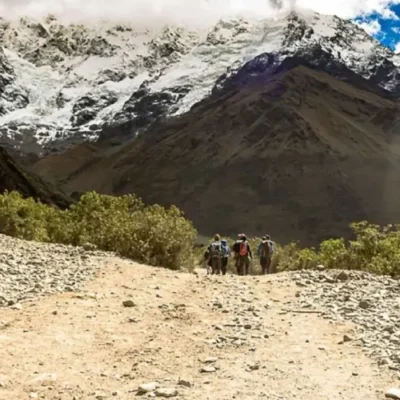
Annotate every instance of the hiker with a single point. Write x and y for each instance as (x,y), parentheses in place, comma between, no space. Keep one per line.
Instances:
(265,251)
(236,249)
(226,253)
(245,256)
(214,255)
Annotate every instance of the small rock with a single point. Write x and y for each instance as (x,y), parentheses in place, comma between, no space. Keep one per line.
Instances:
(4,381)
(185,383)
(16,306)
(343,276)
(364,304)
(147,387)
(33,395)
(166,392)
(128,303)
(347,338)
(208,370)
(389,329)
(393,393)
(210,360)
(89,247)
(43,378)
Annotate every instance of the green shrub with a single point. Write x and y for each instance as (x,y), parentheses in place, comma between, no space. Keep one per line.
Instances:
(374,249)
(24,218)
(332,253)
(148,234)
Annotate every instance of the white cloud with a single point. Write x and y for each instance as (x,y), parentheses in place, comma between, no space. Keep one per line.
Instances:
(397,48)
(191,11)
(390,14)
(351,8)
(371,27)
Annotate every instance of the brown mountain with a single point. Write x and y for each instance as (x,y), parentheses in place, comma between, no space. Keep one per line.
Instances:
(14,178)
(298,153)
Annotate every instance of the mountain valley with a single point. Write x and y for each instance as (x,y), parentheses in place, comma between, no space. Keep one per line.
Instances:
(287,125)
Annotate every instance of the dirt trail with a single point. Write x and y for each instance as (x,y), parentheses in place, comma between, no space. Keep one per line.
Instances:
(89,346)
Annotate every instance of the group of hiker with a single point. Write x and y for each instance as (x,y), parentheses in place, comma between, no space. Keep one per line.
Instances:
(219,252)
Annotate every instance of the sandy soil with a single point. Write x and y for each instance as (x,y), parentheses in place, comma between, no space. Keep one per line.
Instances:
(89,346)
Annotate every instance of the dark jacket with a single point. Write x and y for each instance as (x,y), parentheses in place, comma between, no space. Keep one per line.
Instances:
(271,246)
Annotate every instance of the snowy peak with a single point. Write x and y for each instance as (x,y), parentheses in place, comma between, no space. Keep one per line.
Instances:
(63,84)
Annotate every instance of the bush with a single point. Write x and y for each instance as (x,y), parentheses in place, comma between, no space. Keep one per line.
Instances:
(148,234)
(374,249)
(25,218)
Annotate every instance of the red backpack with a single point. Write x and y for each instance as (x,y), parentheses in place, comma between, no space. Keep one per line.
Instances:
(243,249)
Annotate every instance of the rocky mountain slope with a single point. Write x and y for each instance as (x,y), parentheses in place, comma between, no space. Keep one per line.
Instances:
(121,330)
(63,84)
(282,148)
(15,178)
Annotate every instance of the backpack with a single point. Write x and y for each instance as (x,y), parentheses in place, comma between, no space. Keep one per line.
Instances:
(266,249)
(215,250)
(225,250)
(243,249)
(271,243)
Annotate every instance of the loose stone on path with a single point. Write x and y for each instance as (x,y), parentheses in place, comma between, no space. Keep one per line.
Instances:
(393,393)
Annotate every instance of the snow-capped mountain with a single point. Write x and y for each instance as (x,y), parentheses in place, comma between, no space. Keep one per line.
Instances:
(62,84)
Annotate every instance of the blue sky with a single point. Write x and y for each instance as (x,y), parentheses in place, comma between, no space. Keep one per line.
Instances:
(385,28)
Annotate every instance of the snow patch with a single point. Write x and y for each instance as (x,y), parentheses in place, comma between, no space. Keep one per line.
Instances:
(170,60)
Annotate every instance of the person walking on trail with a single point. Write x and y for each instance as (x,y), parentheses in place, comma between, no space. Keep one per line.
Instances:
(226,253)
(245,256)
(214,254)
(236,250)
(265,251)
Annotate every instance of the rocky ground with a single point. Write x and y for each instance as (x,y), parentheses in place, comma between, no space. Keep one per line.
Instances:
(29,270)
(132,330)
(372,302)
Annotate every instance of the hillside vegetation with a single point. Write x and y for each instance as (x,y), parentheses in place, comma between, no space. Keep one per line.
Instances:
(374,249)
(159,236)
(149,234)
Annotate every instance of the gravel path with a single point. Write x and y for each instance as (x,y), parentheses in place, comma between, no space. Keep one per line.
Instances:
(136,328)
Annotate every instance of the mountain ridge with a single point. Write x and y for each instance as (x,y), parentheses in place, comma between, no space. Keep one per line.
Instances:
(112,78)
(289,155)
(15,178)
